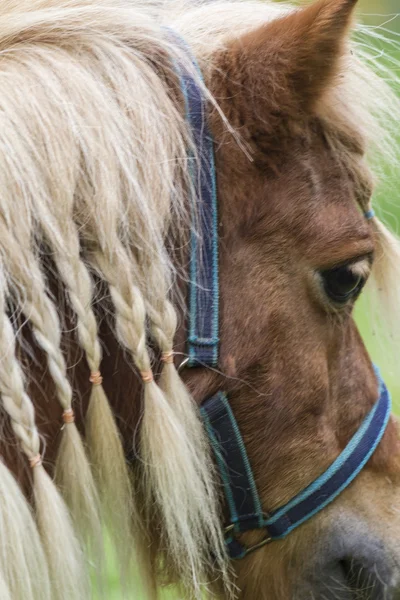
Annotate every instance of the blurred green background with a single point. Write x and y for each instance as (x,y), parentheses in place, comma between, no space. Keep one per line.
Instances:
(384,14)
(387,205)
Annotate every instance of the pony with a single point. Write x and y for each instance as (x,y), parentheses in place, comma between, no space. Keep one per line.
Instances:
(99,430)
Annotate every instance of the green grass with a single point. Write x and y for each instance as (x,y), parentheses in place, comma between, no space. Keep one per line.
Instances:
(381,354)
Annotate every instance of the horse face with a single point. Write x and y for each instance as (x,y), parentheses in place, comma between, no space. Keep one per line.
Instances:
(300,380)
(296,252)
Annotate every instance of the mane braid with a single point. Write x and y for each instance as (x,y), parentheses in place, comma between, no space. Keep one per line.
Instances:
(161,429)
(24,567)
(73,473)
(102,436)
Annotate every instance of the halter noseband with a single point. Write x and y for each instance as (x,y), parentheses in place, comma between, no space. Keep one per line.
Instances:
(244,504)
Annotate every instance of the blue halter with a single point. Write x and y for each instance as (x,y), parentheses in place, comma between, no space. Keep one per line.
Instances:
(244,504)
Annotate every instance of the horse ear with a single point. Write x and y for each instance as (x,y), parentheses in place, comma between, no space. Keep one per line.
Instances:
(287,64)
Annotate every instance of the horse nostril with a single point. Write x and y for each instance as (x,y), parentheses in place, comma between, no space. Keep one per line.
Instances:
(363,582)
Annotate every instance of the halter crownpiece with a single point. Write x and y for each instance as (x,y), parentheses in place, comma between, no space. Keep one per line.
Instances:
(244,504)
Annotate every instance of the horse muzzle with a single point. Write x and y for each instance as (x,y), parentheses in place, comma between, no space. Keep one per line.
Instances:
(350,579)
(354,565)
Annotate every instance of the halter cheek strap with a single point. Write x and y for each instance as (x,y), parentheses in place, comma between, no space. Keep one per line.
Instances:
(203,328)
(243,501)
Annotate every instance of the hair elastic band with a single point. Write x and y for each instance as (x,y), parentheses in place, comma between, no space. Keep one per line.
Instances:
(147,376)
(35,461)
(369,214)
(96,378)
(68,416)
(167,357)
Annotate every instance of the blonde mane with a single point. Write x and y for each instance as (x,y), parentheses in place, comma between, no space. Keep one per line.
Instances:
(94,173)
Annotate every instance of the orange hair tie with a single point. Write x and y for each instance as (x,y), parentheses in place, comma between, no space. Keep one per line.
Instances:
(96,378)
(147,376)
(68,416)
(167,357)
(35,461)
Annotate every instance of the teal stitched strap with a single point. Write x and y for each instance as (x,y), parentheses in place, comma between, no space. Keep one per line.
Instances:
(203,339)
(245,510)
(339,475)
(236,473)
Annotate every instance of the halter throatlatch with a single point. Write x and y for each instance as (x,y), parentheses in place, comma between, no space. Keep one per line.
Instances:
(244,504)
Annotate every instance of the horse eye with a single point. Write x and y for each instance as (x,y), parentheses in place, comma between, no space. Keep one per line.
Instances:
(342,284)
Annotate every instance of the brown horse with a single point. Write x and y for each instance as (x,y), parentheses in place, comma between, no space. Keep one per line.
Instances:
(93,246)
